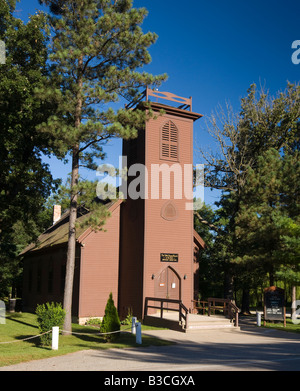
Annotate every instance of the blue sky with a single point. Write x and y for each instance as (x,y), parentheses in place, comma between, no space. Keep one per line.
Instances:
(213,51)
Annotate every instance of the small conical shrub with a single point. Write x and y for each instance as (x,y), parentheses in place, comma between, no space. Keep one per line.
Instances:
(111,321)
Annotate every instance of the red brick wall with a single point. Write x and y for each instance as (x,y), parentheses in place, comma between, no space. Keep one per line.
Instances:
(99,268)
(37,285)
(148,235)
(132,240)
(164,236)
(196,269)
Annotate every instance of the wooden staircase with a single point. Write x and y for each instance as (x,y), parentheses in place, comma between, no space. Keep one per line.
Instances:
(166,315)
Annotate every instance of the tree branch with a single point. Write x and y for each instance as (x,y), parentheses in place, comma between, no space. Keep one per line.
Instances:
(212,226)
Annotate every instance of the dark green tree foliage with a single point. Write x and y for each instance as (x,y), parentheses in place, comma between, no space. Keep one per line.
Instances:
(288,254)
(267,225)
(264,122)
(97,54)
(111,321)
(25,181)
(210,271)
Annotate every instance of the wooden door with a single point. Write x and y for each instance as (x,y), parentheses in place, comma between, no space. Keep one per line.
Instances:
(173,288)
(161,286)
(168,285)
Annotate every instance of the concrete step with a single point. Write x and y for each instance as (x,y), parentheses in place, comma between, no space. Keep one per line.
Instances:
(212,326)
(208,323)
(195,322)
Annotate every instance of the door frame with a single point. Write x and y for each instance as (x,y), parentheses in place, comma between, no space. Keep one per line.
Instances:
(167,269)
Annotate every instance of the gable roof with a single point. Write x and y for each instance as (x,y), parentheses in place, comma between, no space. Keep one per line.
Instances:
(58,233)
(198,239)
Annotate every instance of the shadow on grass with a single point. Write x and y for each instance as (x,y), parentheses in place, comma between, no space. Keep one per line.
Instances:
(32,340)
(13,318)
(124,340)
(85,340)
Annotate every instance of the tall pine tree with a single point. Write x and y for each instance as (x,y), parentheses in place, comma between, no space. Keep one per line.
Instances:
(98,50)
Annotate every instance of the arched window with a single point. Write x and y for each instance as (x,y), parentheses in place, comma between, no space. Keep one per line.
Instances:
(169,142)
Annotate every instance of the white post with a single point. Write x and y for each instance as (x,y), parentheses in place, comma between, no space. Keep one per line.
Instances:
(258,318)
(2,312)
(133,325)
(138,333)
(55,334)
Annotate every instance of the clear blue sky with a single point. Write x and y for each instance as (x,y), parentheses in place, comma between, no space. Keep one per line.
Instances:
(213,51)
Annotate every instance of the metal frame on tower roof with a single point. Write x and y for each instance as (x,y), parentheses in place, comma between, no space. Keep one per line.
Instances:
(186,103)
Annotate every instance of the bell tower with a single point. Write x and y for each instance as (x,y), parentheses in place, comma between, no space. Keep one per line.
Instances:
(157,246)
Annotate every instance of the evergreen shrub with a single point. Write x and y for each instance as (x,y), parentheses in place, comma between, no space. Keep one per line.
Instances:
(49,315)
(111,321)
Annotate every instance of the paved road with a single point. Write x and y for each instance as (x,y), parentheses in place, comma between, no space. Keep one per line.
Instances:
(251,348)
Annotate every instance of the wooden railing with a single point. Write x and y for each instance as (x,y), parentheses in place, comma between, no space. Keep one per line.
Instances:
(227,306)
(217,304)
(183,311)
(199,306)
(234,312)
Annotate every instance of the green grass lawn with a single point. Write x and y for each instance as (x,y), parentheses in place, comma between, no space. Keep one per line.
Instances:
(290,326)
(23,325)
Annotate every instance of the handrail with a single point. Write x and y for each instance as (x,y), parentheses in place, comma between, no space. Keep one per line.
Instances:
(199,305)
(212,305)
(185,317)
(233,307)
(229,308)
(181,308)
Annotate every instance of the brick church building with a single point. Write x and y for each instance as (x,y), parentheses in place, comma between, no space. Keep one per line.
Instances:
(149,247)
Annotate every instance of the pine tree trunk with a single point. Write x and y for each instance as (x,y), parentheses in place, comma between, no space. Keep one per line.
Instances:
(246,302)
(70,267)
(228,285)
(271,276)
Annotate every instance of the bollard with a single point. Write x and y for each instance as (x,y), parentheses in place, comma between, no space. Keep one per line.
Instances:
(2,312)
(133,325)
(258,318)
(55,334)
(12,305)
(138,333)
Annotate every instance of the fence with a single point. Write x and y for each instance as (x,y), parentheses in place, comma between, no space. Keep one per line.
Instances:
(136,328)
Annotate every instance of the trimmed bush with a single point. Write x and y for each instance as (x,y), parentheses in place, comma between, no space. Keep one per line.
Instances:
(49,315)
(94,322)
(128,319)
(111,321)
